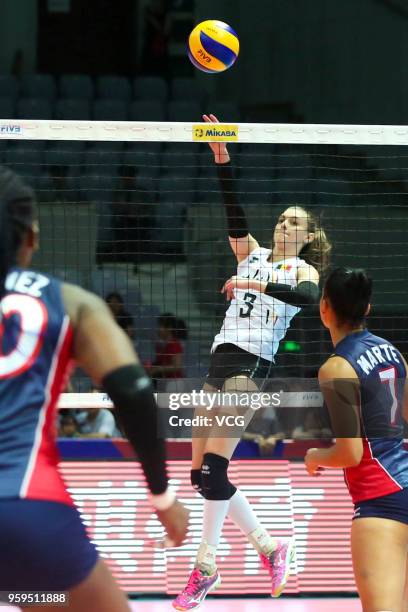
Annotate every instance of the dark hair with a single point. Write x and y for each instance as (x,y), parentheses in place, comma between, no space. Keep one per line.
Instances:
(18,211)
(317,252)
(349,292)
(115,294)
(177,326)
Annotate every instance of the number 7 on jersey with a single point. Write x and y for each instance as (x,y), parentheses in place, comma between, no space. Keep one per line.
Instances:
(387,377)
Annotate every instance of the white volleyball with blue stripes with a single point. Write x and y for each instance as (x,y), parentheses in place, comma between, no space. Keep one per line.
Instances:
(213,46)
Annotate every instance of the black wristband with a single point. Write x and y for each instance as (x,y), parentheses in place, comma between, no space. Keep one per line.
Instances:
(304,294)
(236,218)
(131,391)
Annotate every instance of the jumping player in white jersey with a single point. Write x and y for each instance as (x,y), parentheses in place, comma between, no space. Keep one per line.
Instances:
(271,286)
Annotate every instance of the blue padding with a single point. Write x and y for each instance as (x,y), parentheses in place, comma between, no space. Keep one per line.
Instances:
(247,449)
(216,49)
(88,449)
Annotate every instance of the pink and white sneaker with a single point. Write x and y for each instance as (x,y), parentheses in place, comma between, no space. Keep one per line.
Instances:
(198,586)
(278,564)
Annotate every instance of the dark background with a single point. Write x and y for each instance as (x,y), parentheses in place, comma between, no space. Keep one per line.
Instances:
(326,60)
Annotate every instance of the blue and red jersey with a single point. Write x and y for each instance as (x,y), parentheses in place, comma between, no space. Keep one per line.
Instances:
(36,347)
(382,374)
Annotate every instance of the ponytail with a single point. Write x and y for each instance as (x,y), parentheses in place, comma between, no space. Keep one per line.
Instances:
(18,211)
(317,252)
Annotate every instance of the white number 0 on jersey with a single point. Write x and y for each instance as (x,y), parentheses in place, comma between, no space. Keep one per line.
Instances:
(33,318)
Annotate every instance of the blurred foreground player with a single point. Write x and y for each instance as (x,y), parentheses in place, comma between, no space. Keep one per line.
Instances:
(44,326)
(364,386)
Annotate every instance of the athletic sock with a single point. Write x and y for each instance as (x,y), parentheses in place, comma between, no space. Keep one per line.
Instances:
(241,512)
(205,561)
(215,512)
(262,541)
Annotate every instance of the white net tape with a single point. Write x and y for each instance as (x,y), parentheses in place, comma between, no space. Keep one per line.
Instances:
(83,401)
(155,131)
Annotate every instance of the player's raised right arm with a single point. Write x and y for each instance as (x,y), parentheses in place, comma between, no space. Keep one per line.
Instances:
(241,241)
(105,352)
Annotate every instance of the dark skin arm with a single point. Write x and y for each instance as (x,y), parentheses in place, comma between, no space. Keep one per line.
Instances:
(100,347)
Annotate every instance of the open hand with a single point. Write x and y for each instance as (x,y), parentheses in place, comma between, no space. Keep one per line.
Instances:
(175,522)
(221,155)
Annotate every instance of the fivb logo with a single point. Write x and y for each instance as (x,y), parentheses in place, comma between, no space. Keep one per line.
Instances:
(10,130)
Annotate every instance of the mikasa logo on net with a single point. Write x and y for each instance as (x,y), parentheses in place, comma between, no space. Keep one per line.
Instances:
(219,133)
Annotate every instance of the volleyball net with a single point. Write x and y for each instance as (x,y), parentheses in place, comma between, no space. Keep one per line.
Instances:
(136,209)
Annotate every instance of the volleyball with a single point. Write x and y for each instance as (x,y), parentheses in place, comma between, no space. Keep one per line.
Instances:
(213,46)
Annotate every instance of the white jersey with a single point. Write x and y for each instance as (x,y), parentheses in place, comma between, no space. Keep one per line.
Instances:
(254,321)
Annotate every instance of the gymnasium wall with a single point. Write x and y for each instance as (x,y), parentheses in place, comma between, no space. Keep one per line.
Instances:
(18,30)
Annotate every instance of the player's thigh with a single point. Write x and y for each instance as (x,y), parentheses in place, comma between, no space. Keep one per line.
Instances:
(224,447)
(200,434)
(379,551)
(97,593)
(231,419)
(242,387)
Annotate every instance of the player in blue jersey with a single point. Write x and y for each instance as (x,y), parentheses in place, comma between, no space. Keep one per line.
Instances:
(364,386)
(44,326)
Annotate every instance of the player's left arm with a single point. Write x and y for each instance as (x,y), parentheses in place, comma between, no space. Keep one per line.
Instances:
(305,293)
(340,387)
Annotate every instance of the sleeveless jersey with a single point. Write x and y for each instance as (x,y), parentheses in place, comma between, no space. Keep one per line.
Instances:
(254,321)
(384,466)
(36,344)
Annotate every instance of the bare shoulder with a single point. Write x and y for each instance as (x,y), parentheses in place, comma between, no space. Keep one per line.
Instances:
(336,367)
(308,273)
(79,301)
(100,345)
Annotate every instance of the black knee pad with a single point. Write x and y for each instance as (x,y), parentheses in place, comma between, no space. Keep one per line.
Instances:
(196,481)
(214,478)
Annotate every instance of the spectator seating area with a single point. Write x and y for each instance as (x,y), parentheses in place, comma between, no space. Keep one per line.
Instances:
(175,175)
(79,97)
(103,281)
(91,172)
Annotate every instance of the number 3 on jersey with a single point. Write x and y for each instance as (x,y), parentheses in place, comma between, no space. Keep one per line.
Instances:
(249,299)
(32,321)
